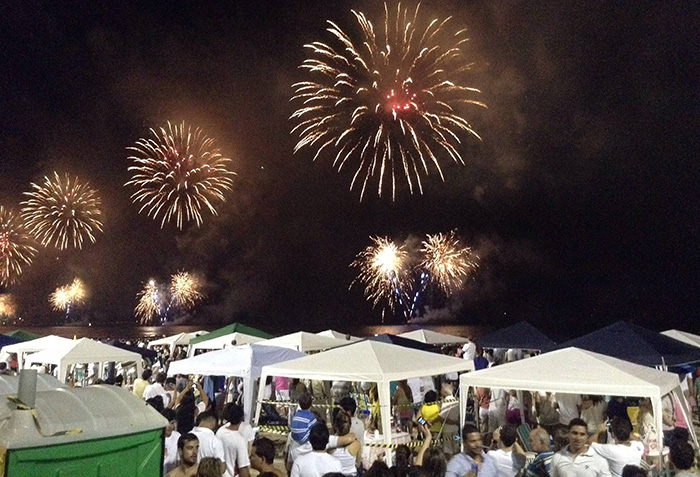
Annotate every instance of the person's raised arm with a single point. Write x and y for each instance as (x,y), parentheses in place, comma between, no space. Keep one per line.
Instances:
(427,437)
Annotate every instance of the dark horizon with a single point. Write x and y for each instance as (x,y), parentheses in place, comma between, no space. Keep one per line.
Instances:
(582,199)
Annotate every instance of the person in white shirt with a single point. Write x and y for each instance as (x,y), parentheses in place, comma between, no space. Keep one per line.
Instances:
(170,445)
(576,459)
(569,406)
(318,462)
(499,462)
(209,444)
(623,451)
(469,350)
(158,389)
(235,443)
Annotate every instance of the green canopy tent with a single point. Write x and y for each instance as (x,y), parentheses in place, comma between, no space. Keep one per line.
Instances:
(22,335)
(232,328)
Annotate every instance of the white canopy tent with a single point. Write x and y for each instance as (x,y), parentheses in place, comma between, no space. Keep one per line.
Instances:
(576,371)
(245,361)
(338,335)
(684,336)
(179,339)
(83,351)
(433,337)
(305,342)
(225,341)
(32,346)
(371,361)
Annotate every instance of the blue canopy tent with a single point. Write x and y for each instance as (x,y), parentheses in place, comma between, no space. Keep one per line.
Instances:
(635,344)
(518,336)
(7,340)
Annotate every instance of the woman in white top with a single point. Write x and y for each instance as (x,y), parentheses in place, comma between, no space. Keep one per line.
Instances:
(347,455)
(593,412)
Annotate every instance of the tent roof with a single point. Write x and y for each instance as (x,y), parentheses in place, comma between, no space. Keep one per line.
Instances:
(433,337)
(338,335)
(22,335)
(576,371)
(225,341)
(142,350)
(38,344)
(401,341)
(178,339)
(305,342)
(83,350)
(518,336)
(244,360)
(232,328)
(369,361)
(7,340)
(684,336)
(637,345)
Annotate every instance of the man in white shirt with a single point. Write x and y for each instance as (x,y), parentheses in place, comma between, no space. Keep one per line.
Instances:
(318,462)
(157,389)
(569,406)
(209,444)
(576,459)
(623,451)
(235,444)
(499,462)
(469,350)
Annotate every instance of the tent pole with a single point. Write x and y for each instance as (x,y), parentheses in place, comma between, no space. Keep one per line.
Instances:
(261,396)
(384,392)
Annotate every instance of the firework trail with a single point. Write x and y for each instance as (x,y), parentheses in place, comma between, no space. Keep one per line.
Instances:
(178,173)
(185,290)
(386,271)
(16,249)
(62,212)
(388,102)
(65,297)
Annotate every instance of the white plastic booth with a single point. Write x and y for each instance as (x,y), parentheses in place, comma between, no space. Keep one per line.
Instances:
(368,361)
(577,371)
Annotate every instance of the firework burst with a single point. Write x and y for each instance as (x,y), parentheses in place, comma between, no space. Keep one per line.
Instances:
(67,296)
(383,271)
(178,173)
(62,212)
(185,290)
(7,305)
(447,261)
(16,250)
(148,305)
(389,101)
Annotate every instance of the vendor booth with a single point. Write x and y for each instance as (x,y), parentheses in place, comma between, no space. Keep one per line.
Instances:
(305,342)
(368,361)
(180,339)
(433,337)
(83,351)
(576,371)
(32,346)
(245,361)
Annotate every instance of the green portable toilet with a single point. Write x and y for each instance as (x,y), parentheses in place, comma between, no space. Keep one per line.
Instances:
(96,431)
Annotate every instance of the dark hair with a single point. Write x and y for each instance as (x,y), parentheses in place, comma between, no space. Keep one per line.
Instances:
(146,374)
(621,428)
(233,413)
(434,462)
(318,436)
(171,380)
(160,378)
(265,449)
(430,396)
(205,416)
(682,455)
(508,435)
(349,405)
(169,414)
(633,471)
(185,438)
(404,457)
(560,438)
(468,429)
(577,421)
(342,423)
(680,434)
(305,401)
(185,413)
(156,402)
(378,469)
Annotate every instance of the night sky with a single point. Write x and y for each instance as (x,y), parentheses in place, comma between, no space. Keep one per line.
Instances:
(582,199)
